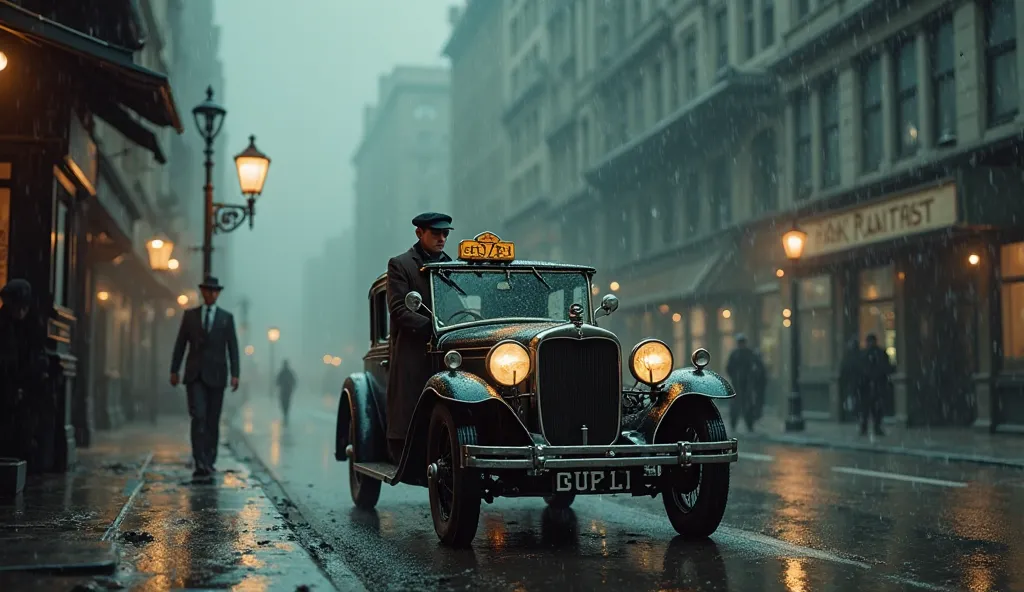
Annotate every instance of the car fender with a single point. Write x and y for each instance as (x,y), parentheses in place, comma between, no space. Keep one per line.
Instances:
(471,399)
(357,401)
(684,389)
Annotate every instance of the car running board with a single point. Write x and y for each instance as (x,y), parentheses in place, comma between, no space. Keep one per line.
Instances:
(382,471)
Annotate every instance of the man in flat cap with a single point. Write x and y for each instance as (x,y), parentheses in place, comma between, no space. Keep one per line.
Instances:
(410,331)
(209,333)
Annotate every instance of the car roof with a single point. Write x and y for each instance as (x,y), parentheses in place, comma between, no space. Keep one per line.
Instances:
(503,265)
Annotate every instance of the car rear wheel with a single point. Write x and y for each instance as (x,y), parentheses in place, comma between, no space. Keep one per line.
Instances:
(561,500)
(695,497)
(365,489)
(454,490)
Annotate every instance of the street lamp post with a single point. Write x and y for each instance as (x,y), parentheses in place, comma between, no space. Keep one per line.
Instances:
(793,243)
(252,168)
(273,334)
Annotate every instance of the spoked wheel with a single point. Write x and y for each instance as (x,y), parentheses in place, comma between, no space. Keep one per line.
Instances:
(454,490)
(365,489)
(695,497)
(560,500)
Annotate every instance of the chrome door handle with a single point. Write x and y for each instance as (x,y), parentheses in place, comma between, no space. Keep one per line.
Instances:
(383,363)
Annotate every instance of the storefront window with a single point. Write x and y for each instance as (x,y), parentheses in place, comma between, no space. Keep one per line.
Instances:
(726,331)
(771,326)
(816,322)
(878,307)
(698,326)
(1012,274)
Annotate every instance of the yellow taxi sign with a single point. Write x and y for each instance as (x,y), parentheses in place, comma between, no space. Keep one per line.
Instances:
(486,247)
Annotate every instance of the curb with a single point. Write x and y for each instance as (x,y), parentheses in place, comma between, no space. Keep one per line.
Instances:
(920,453)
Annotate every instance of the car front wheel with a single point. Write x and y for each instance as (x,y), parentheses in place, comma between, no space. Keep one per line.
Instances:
(454,490)
(695,497)
(365,489)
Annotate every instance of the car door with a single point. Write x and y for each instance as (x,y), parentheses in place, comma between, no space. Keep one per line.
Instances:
(376,359)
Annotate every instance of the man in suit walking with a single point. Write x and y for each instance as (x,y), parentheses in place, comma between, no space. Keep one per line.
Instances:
(209,333)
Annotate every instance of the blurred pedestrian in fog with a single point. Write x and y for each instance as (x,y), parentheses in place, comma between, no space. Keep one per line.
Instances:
(286,386)
(850,372)
(874,385)
(25,403)
(745,371)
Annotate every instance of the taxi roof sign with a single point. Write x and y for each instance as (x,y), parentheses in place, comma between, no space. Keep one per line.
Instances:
(486,247)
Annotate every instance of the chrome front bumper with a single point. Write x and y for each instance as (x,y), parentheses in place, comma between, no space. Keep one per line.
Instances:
(543,458)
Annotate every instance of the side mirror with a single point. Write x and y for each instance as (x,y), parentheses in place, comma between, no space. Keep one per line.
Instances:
(413,301)
(609,304)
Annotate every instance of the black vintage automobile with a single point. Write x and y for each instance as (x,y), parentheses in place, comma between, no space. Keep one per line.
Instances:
(527,399)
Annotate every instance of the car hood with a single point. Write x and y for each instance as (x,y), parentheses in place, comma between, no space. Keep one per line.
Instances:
(491,333)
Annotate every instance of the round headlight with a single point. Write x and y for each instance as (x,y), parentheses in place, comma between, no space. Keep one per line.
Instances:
(651,362)
(509,363)
(452,360)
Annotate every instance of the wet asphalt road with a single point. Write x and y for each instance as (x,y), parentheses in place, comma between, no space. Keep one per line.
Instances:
(799,519)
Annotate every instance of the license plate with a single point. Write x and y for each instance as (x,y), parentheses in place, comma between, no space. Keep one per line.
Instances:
(601,481)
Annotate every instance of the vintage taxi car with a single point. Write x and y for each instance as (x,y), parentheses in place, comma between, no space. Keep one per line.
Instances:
(527,399)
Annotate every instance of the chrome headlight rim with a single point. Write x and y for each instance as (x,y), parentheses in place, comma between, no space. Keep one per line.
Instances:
(452,360)
(490,355)
(636,350)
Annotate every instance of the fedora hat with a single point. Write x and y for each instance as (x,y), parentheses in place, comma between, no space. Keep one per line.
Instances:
(211,283)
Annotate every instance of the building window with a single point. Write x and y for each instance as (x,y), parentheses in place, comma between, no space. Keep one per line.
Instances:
(750,44)
(906,86)
(726,331)
(657,91)
(767,22)
(672,75)
(944,82)
(802,119)
(693,202)
(60,242)
(1011,267)
(668,215)
(816,322)
(690,58)
(722,38)
(830,133)
(698,328)
(871,115)
(1001,60)
(770,332)
(803,8)
(765,181)
(639,123)
(878,307)
(721,195)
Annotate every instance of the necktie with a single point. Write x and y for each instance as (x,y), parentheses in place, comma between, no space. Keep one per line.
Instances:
(206,325)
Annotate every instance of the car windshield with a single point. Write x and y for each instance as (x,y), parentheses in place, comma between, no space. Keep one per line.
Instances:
(467,296)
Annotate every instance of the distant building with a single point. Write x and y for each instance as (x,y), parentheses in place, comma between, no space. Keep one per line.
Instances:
(479,144)
(401,170)
(329,314)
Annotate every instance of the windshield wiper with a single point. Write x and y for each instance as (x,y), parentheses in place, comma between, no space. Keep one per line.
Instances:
(540,277)
(444,278)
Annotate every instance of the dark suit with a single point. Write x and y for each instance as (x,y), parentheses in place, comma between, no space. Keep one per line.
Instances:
(410,332)
(206,375)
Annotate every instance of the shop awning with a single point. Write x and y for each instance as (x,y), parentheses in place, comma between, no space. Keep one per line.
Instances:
(684,278)
(114,80)
(706,119)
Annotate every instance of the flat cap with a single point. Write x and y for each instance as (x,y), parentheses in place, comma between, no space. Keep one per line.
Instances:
(433,220)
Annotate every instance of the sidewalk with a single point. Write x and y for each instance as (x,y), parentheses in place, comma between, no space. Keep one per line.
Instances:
(129,517)
(948,444)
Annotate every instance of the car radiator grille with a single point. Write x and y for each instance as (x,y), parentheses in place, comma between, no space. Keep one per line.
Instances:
(578,385)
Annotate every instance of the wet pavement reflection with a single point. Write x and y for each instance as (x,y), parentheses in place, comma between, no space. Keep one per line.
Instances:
(799,519)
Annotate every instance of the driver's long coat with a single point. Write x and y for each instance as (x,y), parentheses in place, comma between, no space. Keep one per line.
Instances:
(409,367)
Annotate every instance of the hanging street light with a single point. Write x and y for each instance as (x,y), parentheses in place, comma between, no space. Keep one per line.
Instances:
(793,243)
(160,251)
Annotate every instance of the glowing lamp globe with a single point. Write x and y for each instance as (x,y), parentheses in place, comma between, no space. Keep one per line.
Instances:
(252,168)
(793,242)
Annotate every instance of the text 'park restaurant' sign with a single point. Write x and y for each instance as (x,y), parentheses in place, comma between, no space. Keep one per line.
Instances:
(916,213)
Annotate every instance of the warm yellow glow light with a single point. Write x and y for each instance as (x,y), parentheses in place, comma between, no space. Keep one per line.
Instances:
(273,334)
(509,363)
(327,358)
(173,264)
(786,322)
(160,252)
(336,361)
(677,317)
(663,309)
(249,350)
(793,242)
(787,313)
(183,299)
(3,61)
(103,295)
(651,362)
(252,168)
(780,272)
(973,259)
(726,313)
(169,312)
(595,289)
(157,243)
(614,286)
